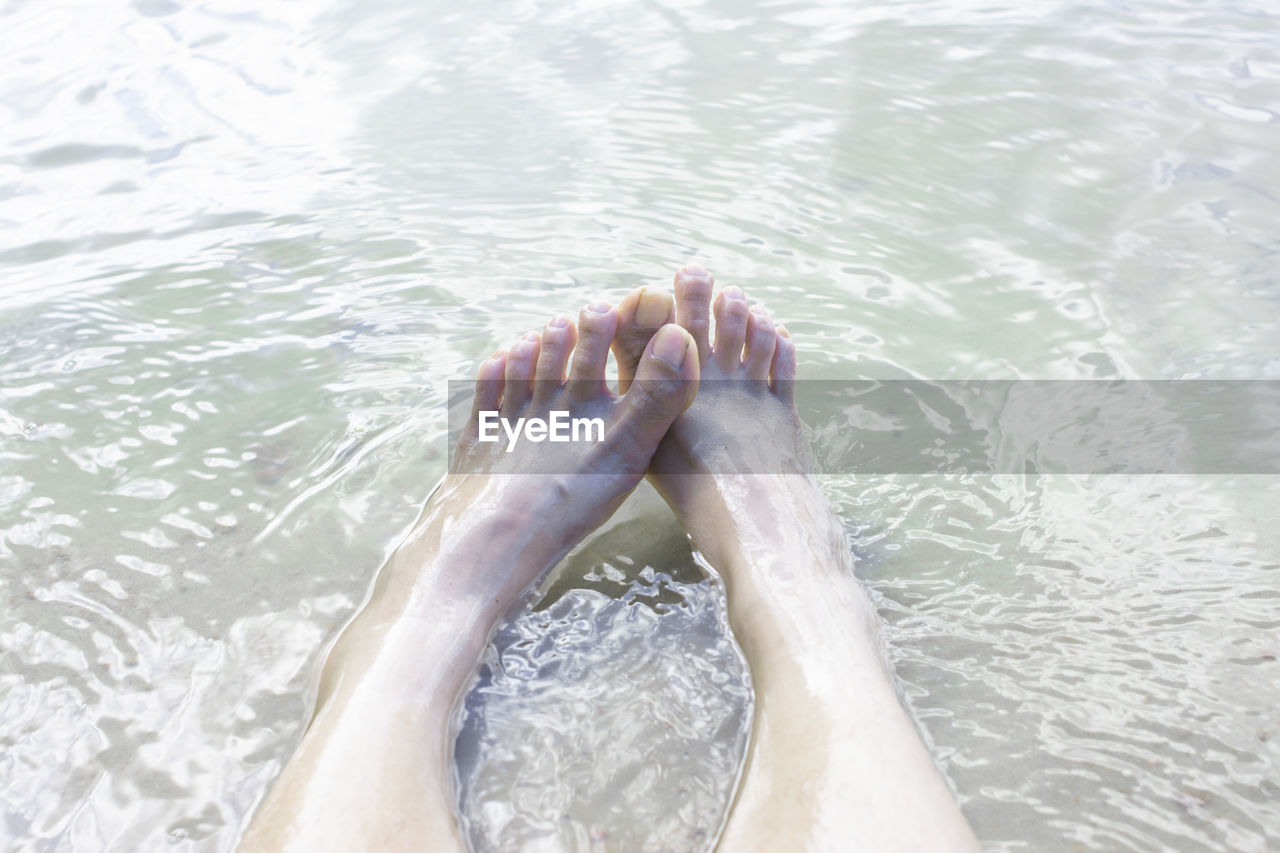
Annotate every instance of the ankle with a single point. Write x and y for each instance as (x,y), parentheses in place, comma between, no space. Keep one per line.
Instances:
(742,519)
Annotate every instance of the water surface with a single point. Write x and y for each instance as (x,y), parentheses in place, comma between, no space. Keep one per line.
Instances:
(244,247)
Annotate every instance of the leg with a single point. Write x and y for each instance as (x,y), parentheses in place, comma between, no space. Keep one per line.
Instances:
(835,763)
(373,770)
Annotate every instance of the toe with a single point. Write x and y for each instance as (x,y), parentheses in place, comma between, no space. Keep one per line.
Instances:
(665,383)
(693,305)
(641,313)
(520,361)
(761,342)
(597,324)
(731,327)
(489,384)
(558,337)
(783,372)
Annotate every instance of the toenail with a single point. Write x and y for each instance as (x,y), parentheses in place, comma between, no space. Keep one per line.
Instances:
(782,330)
(497,355)
(598,308)
(671,345)
(531,337)
(651,309)
(695,271)
(734,292)
(558,322)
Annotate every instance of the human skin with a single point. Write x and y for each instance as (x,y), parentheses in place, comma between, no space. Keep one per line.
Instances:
(834,761)
(372,771)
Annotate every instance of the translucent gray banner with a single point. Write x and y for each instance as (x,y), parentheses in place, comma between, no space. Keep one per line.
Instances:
(1020,426)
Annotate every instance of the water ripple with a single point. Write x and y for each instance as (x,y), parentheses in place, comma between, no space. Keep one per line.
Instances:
(244,247)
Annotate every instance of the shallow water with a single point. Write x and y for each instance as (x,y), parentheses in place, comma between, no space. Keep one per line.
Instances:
(242,250)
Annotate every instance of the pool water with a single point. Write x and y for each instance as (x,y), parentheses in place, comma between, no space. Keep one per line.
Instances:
(244,246)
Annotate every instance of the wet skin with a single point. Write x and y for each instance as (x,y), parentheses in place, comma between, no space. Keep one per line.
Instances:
(835,763)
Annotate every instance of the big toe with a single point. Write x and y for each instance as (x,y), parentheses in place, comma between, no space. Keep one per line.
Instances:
(665,383)
(640,314)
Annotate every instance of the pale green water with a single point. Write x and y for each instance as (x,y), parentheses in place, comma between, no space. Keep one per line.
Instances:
(242,250)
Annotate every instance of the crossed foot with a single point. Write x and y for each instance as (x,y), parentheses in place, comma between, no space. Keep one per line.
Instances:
(688,406)
(834,762)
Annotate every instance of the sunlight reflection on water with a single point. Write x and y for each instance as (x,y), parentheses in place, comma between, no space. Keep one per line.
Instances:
(245,246)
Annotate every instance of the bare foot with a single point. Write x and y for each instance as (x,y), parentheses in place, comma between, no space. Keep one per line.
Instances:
(585,481)
(372,771)
(545,496)
(835,763)
(743,423)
